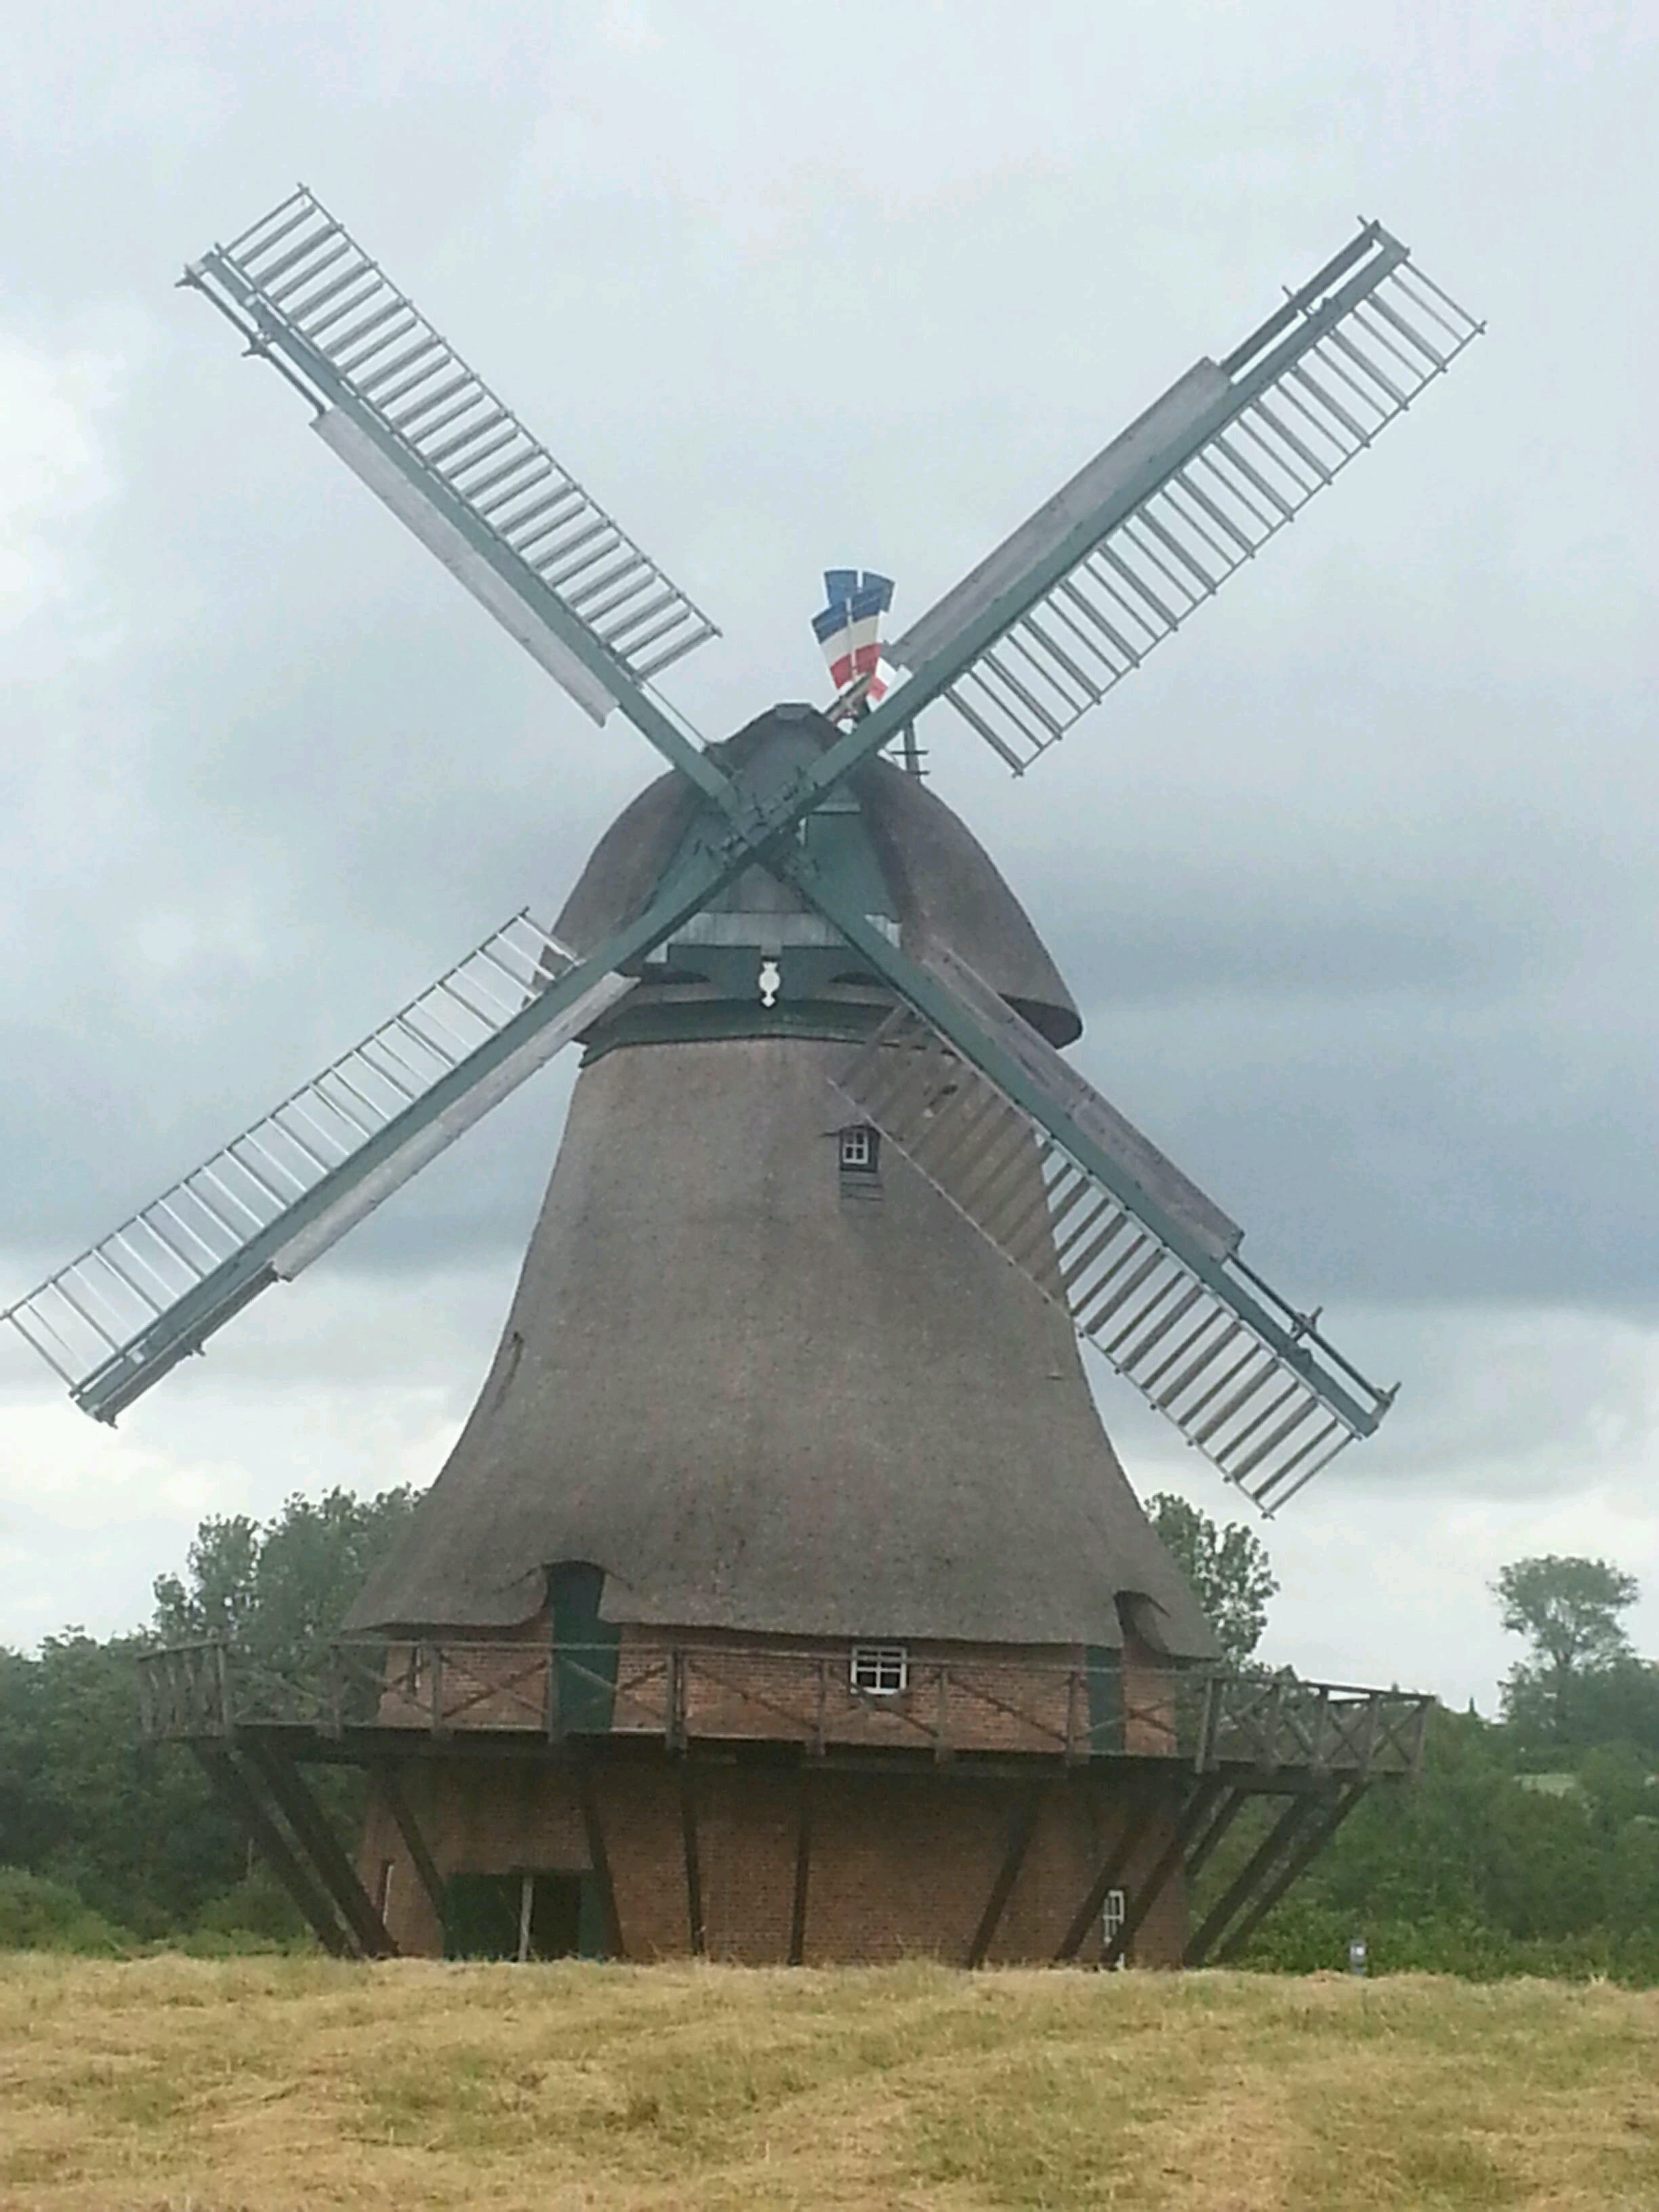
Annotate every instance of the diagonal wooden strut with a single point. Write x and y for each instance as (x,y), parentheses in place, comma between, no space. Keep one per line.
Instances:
(311,1830)
(253,1817)
(803,1872)
(1227,1813)
(1193,1814)
(1298,1863)
(693,1862)
(1117,1857)
(1020,1829)
(1303,1808)
(389,1783)
(598,1857)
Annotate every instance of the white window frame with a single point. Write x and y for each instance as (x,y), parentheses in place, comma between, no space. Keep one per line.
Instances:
(1113,1914)
(879,1670)
(857,1149)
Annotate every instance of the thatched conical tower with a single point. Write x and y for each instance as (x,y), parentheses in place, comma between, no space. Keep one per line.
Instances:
(796,1479)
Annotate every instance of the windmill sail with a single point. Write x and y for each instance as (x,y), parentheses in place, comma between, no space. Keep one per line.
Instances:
(1083,590)
(430,438)
(1143,1262)
(263,1207)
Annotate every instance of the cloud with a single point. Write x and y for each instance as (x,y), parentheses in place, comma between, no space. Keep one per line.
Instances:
(55,465)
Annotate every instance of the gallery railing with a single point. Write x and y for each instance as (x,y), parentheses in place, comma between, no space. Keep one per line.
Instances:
(707,1690)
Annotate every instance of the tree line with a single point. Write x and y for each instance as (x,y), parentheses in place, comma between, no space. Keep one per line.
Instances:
(1531,1843)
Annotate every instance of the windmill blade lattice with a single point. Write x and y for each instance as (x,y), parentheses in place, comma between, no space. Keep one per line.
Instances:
(1077,598)
(115,1320)
(432,438)
(1144,1264)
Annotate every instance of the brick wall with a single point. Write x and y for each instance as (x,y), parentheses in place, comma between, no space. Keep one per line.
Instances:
(983,1698)
(898,1864)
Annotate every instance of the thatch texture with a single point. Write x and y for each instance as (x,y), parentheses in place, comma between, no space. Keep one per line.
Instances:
(759,1401)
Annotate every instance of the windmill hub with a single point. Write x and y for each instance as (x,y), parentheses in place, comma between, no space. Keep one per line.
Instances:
(782,1596)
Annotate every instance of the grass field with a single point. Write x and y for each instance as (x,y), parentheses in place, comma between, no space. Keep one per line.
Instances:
(175,2085)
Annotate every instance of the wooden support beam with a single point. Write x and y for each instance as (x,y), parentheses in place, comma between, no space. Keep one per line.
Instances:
(1139,1818)
(1193,1814)
(1020,1828)
(311,1831)
(1300,1809)
(1300,1859)
(250,1814)
(803,1869)
(389,1783)
(1229,1812)
(693,1864)
(598,1857)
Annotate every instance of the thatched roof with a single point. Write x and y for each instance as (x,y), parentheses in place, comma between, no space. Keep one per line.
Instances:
(757,1401)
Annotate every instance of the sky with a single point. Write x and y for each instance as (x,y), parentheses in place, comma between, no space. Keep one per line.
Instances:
(1354,881)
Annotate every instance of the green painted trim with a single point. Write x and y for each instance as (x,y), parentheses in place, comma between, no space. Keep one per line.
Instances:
(584,1647)
(719,1021)
(1103,1675)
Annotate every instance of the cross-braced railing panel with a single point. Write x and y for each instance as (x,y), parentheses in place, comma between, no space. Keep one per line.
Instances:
(311,292)
(116,1318)
(1190,494)
(714,1693)
(1242,1375)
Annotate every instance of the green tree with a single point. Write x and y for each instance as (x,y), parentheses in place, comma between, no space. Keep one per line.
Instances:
(1568,1610)
(1229,1569)
(137,1834)
(281,1589)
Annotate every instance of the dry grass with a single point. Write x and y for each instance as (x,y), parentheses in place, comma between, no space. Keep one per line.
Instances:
(174,2085)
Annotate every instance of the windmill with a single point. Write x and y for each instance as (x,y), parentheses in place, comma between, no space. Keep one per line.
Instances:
(792,870)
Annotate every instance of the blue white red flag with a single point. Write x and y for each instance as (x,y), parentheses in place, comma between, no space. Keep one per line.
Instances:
(849,628)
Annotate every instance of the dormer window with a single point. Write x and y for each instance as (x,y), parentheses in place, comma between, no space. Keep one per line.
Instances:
(860,1150)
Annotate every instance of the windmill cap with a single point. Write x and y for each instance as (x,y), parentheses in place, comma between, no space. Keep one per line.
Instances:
(945,890)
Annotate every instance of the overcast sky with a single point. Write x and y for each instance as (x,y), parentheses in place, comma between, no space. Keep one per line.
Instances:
(1354,881)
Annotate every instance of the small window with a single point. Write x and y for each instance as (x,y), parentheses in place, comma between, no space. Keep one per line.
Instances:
(859,1150)
(880,1670)
(1112,1919)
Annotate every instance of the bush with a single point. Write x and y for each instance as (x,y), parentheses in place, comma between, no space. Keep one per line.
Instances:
(259,1912)
(38,1914)
(1302,1938)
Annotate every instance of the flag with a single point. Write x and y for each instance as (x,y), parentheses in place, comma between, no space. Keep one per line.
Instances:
(849,628)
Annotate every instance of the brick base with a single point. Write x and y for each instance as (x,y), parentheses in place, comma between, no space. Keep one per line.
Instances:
(897,1865)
